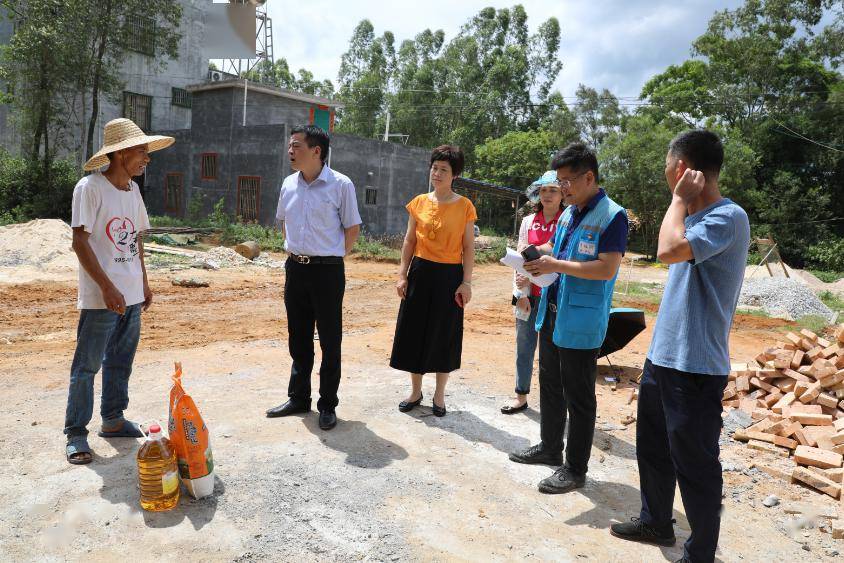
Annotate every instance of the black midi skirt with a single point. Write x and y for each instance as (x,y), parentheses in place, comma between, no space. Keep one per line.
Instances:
(429,329)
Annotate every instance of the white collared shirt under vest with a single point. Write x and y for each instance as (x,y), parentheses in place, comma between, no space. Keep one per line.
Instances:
(316,215)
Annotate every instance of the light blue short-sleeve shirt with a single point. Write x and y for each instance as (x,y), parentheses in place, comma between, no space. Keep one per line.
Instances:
(316,215)
(693,324)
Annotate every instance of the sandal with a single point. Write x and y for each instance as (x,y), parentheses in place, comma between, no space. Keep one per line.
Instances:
(127,429)
(78,451)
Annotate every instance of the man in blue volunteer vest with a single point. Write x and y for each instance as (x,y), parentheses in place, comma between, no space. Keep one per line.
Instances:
(572,316)
(704,237)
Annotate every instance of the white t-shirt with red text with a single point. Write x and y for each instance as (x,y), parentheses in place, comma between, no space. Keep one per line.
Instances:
(115,220)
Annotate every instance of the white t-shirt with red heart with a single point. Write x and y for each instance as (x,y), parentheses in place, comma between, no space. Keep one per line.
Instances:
(115,220)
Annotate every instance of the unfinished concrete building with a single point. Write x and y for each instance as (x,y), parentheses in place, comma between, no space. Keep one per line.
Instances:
(236,150)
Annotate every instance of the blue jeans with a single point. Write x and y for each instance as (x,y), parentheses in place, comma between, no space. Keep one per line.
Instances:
(526,337)
(108,340)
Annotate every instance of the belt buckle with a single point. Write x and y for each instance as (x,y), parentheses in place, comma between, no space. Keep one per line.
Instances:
(304,259)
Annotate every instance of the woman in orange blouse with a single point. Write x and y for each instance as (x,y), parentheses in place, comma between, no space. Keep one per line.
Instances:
(435,280)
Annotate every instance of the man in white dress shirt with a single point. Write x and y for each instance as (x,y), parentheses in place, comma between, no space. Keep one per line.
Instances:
(318,212)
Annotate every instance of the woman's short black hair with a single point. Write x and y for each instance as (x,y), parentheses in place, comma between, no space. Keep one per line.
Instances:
(453,154)
(314,137)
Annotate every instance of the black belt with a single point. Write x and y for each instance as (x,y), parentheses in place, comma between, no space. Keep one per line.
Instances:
(317,259)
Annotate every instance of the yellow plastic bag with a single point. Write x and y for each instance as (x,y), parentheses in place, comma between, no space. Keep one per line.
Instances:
(189,438)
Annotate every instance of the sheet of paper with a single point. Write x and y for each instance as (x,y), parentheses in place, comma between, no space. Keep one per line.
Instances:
(517,262)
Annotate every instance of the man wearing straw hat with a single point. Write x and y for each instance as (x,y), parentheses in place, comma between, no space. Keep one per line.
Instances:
(108,217)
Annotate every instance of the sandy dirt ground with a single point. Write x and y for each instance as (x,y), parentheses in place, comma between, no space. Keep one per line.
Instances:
(381,486)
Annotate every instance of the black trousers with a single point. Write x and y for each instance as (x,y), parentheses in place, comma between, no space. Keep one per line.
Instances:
(313,294)
(566,394)
(678,425)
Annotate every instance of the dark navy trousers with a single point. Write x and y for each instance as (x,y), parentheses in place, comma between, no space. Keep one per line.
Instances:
(677,431)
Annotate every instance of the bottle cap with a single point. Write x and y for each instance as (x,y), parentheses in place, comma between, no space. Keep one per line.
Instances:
(154,429)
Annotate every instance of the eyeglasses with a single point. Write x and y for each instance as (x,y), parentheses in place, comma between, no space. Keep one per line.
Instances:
(566,183)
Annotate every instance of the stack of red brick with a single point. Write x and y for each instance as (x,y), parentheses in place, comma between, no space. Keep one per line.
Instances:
(794,392)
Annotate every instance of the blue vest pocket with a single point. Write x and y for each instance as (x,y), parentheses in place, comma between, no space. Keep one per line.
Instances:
(583,316)
(586,299)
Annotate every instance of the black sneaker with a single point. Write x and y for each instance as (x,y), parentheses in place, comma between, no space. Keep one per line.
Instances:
(562,481)
(636,530)
(537,454)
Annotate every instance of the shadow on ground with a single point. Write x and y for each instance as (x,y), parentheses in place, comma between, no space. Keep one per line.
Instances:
(363,447)
(119,474)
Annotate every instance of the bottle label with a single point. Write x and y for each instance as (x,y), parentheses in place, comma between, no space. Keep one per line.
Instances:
(169,482)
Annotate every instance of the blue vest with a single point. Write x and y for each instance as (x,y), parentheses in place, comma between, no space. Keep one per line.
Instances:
(583,306)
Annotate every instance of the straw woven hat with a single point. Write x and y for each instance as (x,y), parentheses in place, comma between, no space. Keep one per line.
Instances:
(121,134)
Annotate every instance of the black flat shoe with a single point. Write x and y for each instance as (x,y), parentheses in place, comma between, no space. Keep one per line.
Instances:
(407,406)
(438,411)
(507,409)
(327,420)
(288,408)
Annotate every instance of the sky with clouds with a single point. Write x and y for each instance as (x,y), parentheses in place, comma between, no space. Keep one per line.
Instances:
(613,44)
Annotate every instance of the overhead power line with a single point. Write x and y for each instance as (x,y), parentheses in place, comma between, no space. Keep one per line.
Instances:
(799,136)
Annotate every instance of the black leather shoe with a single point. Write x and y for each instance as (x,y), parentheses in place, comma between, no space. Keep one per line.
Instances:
(507,409)
(288,408)
(537,454)
(327,420)
(438,411)
(407,406)
(562,481)
(636,530)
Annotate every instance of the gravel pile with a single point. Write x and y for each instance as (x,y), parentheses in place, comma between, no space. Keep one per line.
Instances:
(221,257)
(266,261)
(783,297)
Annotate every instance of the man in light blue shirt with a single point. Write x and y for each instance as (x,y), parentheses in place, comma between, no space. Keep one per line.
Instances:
(705,238)
(318,211)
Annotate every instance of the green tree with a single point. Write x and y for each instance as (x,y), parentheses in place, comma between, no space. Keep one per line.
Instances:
(516,158)
(632,167)
(65,54)
(767,77)
(365,72)
(596,114)
(491,78)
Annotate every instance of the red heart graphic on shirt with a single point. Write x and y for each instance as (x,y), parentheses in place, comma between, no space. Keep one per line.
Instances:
(121,233)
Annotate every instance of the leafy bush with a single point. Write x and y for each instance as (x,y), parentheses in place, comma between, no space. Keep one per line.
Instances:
(168,221)
(27,191)
(492,254)
(369,248)
(827,255)
(827,277)
(269,238)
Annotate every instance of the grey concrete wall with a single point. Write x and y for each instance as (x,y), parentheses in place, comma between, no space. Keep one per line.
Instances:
(215,108)
(397,172)
(253,151)
(142,74)
(172,159)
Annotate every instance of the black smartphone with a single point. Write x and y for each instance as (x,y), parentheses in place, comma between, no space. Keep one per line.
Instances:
(530,253)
